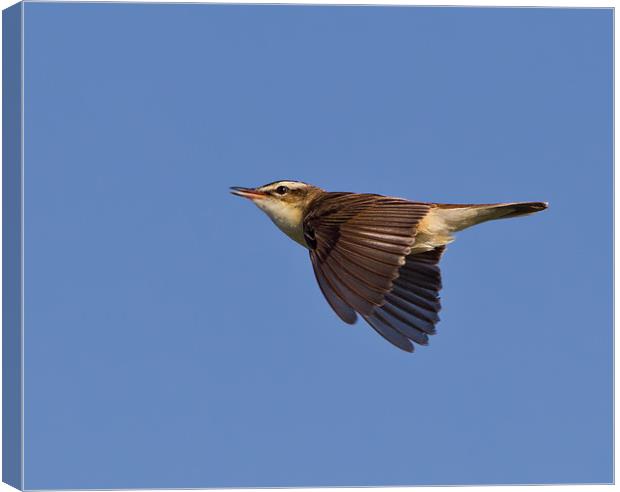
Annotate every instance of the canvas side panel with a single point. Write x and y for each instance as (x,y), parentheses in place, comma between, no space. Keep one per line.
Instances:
(12,246)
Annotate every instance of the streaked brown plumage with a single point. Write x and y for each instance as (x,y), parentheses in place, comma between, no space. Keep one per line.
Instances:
(373,255)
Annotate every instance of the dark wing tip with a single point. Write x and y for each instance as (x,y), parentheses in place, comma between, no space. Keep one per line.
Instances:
(389,333)
(540,205)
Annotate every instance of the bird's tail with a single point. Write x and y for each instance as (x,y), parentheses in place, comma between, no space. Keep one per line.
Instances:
(459,217)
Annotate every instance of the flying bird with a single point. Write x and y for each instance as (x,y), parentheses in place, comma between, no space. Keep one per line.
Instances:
(376,256)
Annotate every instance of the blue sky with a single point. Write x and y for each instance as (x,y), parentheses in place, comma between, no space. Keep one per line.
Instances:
(175,338)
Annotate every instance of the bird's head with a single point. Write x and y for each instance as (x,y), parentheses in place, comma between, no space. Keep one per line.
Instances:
(279,196)
(285,202)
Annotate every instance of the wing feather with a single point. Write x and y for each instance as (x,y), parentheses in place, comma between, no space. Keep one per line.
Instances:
(360,270)
(349,295)
(390,333)
(394,260)
(368,262)
(342,309)
(361,255)
(399,324)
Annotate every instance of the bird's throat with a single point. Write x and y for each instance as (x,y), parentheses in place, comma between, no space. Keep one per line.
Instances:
(289,219)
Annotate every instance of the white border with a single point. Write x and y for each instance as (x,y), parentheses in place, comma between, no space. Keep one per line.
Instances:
(479,3)
(381,3)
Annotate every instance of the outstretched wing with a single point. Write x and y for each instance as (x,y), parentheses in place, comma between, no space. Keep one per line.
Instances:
(360,247)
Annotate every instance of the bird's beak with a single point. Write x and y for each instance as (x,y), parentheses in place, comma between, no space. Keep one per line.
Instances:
(251,193)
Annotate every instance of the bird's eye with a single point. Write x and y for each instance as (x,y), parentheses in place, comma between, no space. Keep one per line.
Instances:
(281,190)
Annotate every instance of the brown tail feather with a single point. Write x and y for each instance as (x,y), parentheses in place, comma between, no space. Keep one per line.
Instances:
(524,208)
(459,217)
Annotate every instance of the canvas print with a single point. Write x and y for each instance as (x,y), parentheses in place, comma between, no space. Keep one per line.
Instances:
(306,246)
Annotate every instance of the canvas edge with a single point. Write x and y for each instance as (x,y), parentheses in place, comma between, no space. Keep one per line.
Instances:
(12,443)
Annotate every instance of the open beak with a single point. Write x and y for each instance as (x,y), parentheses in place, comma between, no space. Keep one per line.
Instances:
(250,193)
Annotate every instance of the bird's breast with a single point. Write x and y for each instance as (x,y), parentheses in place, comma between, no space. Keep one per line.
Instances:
(296,233)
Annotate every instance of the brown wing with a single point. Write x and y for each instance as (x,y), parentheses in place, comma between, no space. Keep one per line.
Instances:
(360,249)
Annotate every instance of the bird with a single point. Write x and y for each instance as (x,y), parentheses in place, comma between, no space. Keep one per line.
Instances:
(376,256)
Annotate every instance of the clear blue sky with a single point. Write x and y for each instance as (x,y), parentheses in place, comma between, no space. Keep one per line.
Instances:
(175,338)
